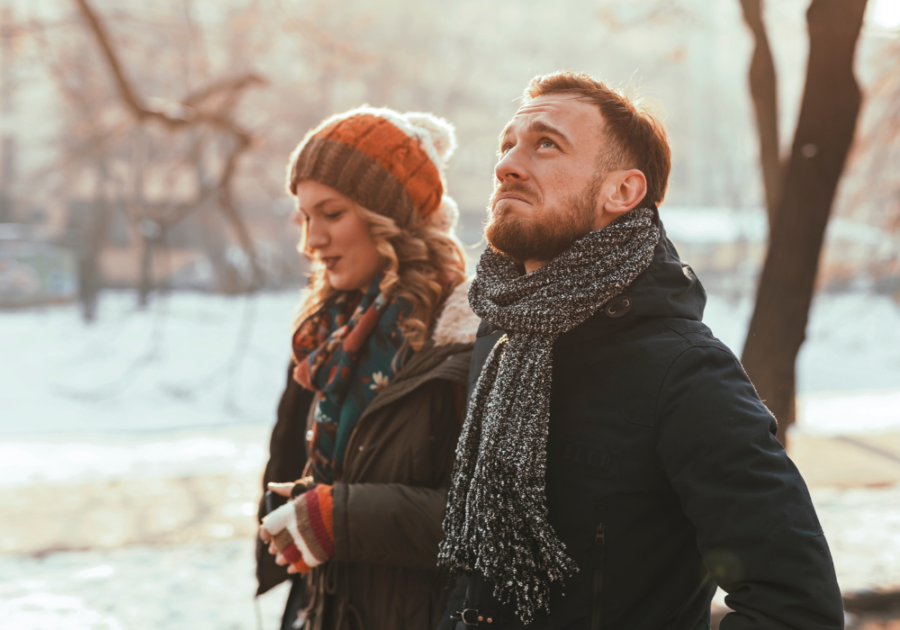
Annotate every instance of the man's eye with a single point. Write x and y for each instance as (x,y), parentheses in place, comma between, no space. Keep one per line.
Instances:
(546,142)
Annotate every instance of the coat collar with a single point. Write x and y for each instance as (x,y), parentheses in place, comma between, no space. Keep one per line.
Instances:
(668,288)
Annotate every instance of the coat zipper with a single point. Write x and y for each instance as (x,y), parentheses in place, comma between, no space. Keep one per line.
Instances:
(599,550)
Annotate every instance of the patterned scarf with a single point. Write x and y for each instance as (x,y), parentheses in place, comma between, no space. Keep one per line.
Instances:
(345,352)
(497,519)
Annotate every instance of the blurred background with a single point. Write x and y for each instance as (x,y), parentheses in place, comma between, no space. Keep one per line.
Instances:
(149,272)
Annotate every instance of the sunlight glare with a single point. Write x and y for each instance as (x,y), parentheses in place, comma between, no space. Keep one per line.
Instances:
(886,13)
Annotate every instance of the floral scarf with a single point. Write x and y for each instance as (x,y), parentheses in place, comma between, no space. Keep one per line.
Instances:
(346,352)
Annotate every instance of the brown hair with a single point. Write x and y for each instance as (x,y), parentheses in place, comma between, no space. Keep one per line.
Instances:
(636,137)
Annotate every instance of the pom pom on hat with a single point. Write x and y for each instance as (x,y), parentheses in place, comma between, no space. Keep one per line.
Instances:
(441,134)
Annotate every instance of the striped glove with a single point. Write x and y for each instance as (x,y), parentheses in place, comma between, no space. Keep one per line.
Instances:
(302,528)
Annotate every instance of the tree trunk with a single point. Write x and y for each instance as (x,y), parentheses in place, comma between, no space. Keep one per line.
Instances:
(828,113)
(145,277)
(96,231)
(764,92)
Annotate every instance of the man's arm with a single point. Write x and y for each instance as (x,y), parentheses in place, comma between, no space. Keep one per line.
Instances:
(756,525)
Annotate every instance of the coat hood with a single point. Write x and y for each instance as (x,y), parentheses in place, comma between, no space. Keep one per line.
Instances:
(668,288)
(456,322)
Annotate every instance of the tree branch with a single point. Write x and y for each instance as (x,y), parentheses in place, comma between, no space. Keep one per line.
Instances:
(191,113)
(764,92)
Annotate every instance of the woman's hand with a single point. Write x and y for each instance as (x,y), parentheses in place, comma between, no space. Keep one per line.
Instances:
(300,532)
(283,489)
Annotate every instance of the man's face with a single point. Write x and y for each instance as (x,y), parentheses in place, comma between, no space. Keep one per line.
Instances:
(547,191)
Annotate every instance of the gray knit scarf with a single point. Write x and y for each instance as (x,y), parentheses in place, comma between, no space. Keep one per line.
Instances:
(496,519)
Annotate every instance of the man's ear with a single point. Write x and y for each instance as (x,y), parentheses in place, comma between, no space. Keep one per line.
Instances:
(628,188)
(621,191)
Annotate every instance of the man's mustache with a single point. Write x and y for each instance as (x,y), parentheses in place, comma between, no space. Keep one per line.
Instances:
(514,187)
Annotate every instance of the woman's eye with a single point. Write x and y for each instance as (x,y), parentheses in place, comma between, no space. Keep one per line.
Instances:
(333,215)
(505,149)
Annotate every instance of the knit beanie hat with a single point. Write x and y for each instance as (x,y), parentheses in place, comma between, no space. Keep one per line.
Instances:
(387,162)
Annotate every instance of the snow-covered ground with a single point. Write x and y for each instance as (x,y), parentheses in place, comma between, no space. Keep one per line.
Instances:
(210,585)
(194,586)
(162,391)
(152,427)
(191,361)
(200,362)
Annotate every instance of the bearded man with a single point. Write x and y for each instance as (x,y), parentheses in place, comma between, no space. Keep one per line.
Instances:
(616,464)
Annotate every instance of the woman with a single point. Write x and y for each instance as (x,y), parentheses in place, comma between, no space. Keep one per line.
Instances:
(377,383)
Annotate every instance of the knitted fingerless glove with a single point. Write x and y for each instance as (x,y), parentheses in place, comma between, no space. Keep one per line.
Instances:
(303,530)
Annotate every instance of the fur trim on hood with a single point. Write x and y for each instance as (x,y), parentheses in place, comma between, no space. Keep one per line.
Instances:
(457,323)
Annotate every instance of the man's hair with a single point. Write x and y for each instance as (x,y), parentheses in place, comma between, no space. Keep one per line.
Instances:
(636,138)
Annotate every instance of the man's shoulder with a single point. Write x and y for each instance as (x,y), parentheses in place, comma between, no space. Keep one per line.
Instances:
(657,340)
(632,366)
(690,333)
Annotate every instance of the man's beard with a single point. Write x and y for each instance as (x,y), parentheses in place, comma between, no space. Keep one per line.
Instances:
(547,232)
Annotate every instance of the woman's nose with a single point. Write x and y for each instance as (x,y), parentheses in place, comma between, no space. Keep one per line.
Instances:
(316,238)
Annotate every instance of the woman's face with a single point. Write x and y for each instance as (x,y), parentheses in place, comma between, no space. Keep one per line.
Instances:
(337,236)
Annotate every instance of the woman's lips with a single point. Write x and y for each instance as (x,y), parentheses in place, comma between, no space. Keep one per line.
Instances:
(330,262)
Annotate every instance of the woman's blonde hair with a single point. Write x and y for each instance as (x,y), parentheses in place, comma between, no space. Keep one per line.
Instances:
(425,261)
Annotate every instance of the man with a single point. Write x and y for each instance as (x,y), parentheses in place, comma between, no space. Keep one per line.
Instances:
(616,463)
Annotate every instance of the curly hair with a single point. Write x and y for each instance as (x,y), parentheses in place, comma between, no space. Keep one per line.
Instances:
(424,260)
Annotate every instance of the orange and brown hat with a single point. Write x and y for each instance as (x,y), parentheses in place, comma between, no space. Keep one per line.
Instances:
(387,162)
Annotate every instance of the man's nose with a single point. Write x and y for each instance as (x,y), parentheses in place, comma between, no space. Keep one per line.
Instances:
(511,167)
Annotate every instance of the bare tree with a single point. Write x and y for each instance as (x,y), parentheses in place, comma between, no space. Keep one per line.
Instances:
(211,107)
(825,130)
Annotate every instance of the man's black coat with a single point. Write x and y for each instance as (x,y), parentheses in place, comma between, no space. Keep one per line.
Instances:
(664,478)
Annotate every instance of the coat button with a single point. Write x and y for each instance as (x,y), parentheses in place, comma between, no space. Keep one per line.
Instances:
(618,306)
(361,448)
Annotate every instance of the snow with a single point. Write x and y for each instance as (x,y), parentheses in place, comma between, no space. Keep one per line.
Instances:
(211,584)
(190,361)
(49,460)
(728,226)
(190,386)
(842,414)
(713,225)
(192,586)
(202,363)
(180,399)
